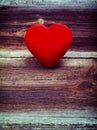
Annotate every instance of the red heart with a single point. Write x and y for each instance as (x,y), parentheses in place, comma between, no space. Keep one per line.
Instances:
(48,44)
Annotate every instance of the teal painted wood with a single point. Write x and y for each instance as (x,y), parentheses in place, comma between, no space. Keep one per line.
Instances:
(52,3)
(55,117)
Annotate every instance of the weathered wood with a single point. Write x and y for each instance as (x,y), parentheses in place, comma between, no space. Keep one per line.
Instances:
(21,51)
(48,127)
(34,97)
(49,118)
(71,84)
(13,25)
(52,3)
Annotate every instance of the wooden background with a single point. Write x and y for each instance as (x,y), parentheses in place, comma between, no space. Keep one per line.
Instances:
(33,97)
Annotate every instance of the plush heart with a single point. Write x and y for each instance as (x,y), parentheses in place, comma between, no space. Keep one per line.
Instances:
(48,44)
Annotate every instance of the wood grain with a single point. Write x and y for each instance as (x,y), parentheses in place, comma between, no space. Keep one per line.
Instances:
(52,3)
(25,84)
(35,97)
(48,127)
(13,25)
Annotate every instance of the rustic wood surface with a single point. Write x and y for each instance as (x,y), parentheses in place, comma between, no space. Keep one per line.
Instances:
(51,3)
(34,97)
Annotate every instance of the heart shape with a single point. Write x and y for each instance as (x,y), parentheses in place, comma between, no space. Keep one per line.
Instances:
(48,44)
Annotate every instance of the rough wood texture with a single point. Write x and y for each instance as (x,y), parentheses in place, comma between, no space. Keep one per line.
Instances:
(72,84)
(34,97)
(13,25)
(52,3)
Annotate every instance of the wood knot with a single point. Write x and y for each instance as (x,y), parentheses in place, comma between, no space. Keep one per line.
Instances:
(41,21)
(85,85)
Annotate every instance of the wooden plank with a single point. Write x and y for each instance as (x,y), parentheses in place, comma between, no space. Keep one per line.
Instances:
(53,117)
(12,31)
(48,127)
(24,53)
(24,81)
(52,3)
